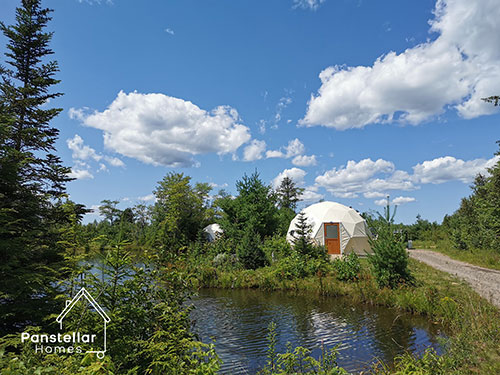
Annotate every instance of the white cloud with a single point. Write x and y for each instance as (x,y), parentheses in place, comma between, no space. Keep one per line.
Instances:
(307,4)
(373,194)
(162,130)
(294,148)
(274,154)
(284,102)
(402,200)
(381,202)
(115,162)
(396,201)
(98,2)
(374,179)
(80,174)
(147,198)
(80,150)
(254,150)
(366,176)
(168,30)
(82,153)
(304,160)
(310,195)
(448,168)
(457,69)
(354,176)
(296,174)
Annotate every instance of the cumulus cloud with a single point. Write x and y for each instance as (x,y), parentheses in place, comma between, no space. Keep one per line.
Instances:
(456,70)
(304,160)
(402,200)
(307,4)
(374,179)
(448,168)
(80,150)
(373,194)
(115,162)
(347,181)
(296,174)
(310,193)
(294,148)
(147,198)
(396,201)
(80,174)
(162,130)
(254,150)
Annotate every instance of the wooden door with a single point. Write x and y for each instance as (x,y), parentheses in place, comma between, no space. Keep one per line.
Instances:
(332,238)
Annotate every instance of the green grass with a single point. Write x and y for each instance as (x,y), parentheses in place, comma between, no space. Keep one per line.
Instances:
(477,257)
(472,323)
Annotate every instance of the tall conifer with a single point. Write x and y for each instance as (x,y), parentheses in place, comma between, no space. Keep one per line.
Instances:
(32,177)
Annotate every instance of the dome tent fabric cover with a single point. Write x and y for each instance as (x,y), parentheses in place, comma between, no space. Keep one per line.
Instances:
(353,230)
(212,232)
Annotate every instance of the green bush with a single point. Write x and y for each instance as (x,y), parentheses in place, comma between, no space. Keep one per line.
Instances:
(347,268)
(389,259)
(250,252)
(276,248)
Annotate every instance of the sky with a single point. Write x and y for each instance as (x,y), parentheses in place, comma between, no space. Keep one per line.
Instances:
(353,99)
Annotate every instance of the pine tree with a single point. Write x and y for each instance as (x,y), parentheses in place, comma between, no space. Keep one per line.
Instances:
(32,176)
(302,236)
(288,194)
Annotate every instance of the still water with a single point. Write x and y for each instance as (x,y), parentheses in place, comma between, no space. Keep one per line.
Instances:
(238,319)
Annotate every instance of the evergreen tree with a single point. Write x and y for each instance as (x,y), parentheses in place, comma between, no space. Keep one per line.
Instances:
(389,259)
(32,177)
(250,252)
(254,209)
(288,194)
(302,242)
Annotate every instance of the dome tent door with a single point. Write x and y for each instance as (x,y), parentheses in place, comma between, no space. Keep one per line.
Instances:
(332,238)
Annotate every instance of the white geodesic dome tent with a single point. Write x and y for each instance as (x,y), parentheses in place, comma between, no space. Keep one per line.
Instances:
(212,232)
(339,228)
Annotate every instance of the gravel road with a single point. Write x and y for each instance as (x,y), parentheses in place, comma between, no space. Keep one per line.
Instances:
(483,280)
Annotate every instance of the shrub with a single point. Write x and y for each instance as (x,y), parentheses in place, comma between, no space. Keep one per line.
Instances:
(276,248)
(389,259)
(249,251)
(347,268)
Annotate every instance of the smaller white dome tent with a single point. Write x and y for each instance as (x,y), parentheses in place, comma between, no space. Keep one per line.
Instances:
(213,232)
(339,228)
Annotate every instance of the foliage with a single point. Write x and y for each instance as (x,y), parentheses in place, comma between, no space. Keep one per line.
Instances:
(33,178)
(476,224)
(299,360)
(288,194)
(302,241)
(389,259)
(180,212)
(250,252)
(275,248)
(495,99)
(347,268)
(254,209)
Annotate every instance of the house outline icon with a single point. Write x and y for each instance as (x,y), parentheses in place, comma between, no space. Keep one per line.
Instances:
(71,303)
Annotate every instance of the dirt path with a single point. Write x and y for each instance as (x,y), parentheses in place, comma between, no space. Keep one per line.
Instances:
(483,280)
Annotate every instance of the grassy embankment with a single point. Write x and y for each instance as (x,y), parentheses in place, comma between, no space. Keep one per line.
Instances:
(478,257)
(472,323)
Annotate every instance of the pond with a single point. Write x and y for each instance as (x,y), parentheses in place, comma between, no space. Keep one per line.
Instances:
(238,320)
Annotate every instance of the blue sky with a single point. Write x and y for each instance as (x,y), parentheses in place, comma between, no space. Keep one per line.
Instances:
(353,99)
